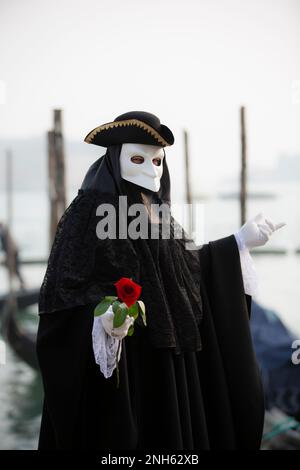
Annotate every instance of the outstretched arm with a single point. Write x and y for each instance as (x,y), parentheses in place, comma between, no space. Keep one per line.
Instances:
(255,232)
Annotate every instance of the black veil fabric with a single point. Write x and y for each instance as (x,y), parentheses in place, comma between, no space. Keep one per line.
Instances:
(82,268)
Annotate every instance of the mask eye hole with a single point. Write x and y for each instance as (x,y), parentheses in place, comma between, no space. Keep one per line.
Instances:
(156,161)
(137,159)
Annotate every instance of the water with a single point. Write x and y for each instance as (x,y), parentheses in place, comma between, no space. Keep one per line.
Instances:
(20,387)
(20,398)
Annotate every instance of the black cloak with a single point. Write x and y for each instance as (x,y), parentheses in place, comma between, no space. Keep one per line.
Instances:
(189,380)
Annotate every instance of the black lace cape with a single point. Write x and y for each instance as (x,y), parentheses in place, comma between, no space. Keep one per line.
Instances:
(82,269)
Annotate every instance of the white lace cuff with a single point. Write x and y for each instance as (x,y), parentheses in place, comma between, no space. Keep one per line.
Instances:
(250,277)
(105,348)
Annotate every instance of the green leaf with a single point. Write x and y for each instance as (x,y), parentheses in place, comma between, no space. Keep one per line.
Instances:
(120,315)
(103,305)
(130,330)
(115,306)
(133,311)
(142,310)
(111,298)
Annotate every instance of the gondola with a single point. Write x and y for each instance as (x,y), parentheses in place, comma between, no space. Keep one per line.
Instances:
(21,341)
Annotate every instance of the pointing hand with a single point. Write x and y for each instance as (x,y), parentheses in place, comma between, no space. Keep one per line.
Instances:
(257,231)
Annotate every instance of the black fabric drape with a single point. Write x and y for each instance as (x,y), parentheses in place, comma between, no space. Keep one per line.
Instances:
(208,399)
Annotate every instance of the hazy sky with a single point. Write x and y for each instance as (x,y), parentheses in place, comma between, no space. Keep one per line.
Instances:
(191,62)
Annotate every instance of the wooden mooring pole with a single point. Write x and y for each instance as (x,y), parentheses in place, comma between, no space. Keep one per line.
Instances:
(9,209)
(56,174)
(187,181)
(243,176)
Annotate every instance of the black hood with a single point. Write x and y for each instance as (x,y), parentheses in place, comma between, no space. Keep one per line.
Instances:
(104,175)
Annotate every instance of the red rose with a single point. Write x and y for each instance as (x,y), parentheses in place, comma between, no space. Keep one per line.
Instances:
(128,291)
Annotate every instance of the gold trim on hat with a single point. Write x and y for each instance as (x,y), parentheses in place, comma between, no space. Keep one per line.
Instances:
(128,122)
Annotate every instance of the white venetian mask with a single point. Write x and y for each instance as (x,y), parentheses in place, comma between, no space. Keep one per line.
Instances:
(142,165)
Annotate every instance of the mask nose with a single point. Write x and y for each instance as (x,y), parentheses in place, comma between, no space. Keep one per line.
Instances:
(149,169)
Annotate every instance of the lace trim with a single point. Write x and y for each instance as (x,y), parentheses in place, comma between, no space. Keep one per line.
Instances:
(105,348)
(250,277)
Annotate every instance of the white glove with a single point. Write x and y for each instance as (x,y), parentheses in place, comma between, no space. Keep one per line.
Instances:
(107,322)
(257,231)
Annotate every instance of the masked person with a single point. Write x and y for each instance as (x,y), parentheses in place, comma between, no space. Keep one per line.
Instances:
(189,379)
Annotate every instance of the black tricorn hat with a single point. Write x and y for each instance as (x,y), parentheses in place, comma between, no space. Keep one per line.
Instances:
(133,127)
